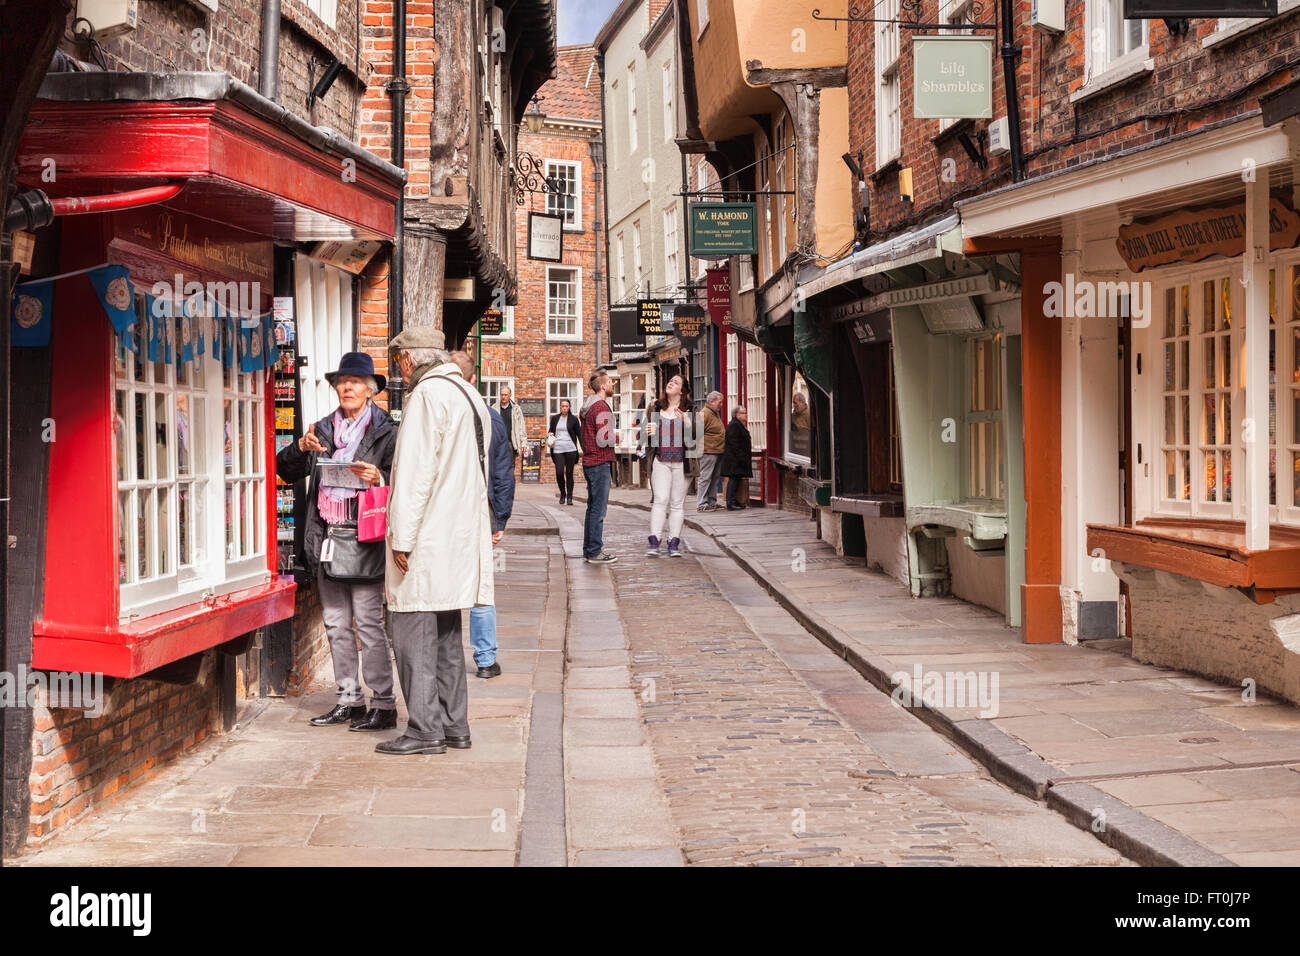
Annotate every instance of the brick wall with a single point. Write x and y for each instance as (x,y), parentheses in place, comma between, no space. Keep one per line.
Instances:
(531,358)
(1190,86)
(79,762)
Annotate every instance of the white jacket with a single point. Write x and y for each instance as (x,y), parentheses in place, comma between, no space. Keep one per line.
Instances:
(438,506)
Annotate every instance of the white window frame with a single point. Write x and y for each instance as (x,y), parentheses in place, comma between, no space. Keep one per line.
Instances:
(973,418)
(779,151)
(626,399)
(669,78)
(889,85)
(637,272)
(621,264)
(327,10)
(1231,27)
(788,411)
(574,396)
(492,387)
(576,335)
(1149,394)
(213,568)
(672,276)
(1100,60)
(575,169)
(756,396)
(631,108)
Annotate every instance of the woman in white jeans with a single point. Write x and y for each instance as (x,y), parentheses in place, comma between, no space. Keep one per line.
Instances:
(668,432)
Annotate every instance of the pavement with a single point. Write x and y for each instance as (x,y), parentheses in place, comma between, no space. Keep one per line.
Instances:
(1166,766)
(726,708)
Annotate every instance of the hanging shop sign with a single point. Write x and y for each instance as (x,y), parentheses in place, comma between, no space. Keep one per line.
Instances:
(689,322)
(491,322)
(718,284)
(545,237)
(1191,235)
(350,256)
(1199,9)
(649,315)
(721,229)
(952,77)
(625,337)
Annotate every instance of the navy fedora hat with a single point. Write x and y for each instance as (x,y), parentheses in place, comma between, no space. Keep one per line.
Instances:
(360,364)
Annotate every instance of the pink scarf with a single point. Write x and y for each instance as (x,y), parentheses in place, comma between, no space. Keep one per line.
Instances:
(335,504)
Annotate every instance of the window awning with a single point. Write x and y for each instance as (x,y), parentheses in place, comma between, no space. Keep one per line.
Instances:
(241,158)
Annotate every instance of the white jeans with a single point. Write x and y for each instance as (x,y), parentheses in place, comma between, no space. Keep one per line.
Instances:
(669,484)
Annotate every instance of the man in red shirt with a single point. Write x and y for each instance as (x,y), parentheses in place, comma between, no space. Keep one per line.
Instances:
(598,438)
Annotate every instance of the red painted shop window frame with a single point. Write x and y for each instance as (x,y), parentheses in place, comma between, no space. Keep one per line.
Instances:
(78,629)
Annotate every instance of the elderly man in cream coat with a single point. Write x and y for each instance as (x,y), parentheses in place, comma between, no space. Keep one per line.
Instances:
(439,540)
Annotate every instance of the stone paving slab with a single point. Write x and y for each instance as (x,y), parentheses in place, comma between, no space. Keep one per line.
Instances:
(1087,711)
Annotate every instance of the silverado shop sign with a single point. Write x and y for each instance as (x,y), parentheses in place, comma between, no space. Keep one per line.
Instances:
(1191,235)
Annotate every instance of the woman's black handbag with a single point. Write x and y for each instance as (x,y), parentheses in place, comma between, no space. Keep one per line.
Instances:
(349,561)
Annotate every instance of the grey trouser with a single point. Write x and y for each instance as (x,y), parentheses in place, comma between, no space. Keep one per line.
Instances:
(431,667)
(706,485)
(342,605)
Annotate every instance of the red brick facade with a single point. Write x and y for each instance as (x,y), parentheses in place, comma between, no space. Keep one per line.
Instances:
(530,356)
(1191,85)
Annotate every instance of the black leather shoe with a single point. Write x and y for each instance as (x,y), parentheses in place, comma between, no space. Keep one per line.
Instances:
(457,743)
(341,714)
(492,670)
(735,507)
(411,745)
(376,720)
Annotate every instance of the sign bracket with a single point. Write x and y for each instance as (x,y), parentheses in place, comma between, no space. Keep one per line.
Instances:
(912,22)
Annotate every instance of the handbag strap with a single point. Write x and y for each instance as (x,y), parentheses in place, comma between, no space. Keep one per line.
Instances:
(478,426)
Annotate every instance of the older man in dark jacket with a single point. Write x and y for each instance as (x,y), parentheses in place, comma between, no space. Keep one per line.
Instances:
(736,454)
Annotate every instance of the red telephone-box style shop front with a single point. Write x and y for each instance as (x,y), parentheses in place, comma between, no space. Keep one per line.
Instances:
(161,527)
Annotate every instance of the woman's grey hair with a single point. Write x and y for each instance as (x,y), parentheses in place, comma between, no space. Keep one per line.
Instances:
(711,396)
(426,356)
(738,410)
(372,385)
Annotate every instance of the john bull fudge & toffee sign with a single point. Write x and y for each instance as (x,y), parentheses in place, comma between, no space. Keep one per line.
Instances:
(1191,235)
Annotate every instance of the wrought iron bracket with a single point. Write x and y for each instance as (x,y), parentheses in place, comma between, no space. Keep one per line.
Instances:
(528,175)
(975,148)
(911,11)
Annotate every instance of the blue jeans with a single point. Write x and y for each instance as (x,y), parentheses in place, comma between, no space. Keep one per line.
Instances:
(593,537)
(483,634)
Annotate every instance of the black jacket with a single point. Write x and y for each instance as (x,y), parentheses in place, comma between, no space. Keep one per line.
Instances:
(575,429)
(736,451)
(376,448)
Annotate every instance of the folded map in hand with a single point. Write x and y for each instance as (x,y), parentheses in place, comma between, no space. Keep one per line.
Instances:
(338,474)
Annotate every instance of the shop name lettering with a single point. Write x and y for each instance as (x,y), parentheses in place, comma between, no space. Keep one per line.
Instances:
(180,246)
(56,689)
(726,215)
(1218,229)
(236,298)
(953,86)
(75,909)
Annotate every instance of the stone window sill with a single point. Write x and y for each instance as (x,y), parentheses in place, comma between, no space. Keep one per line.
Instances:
(1117,75)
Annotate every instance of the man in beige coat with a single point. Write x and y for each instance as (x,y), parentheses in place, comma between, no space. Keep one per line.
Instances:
(439,540)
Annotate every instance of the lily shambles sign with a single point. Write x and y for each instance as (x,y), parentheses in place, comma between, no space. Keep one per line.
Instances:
(1191,235)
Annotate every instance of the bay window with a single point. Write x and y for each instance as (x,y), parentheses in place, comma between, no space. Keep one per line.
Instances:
(1197,396)
(190,471)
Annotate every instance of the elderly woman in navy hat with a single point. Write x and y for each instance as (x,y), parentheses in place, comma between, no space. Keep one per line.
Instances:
(349,573)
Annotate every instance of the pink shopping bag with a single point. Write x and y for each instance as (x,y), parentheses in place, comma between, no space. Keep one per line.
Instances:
(372,514)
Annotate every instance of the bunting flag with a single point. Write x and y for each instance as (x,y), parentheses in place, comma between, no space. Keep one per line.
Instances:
(229,341)
(112,284)
(154,311)
(217,316)
(185,337)
(270,352)
(251,352)
(31,314)
(199,320)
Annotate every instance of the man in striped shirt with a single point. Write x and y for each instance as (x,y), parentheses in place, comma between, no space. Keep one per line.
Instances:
(598,438)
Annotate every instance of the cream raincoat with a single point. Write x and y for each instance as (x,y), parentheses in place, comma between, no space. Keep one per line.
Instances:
(438,506)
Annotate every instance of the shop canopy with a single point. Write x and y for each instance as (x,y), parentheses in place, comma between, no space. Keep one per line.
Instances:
(241,158)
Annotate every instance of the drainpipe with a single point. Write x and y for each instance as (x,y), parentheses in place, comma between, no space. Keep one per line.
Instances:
(597,149)
(1010,54)
(268,77)
(397,89)
(604,171)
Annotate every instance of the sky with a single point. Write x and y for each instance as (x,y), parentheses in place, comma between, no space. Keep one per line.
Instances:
(581,20)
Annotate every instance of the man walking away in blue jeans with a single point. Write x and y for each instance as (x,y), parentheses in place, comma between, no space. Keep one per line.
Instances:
(598,440)
(501,502)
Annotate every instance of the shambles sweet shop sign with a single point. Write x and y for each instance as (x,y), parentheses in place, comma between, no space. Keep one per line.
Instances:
(1191,235)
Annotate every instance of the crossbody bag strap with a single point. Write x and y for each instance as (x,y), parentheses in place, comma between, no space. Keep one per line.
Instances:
(478,427)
